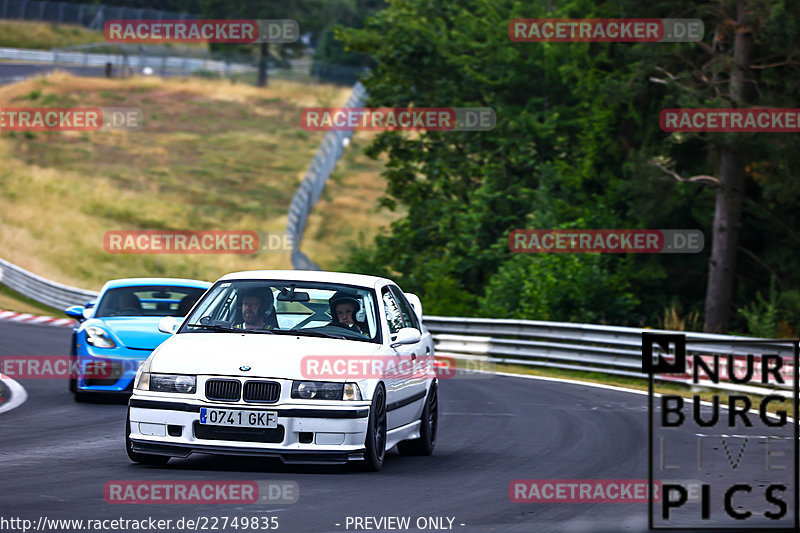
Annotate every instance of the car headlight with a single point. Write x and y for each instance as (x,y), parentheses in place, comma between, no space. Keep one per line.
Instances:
(167,383)
(325,390)
(99,338)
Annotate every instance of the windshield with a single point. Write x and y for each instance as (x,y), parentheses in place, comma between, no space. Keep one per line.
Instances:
(151,300)
(287,307)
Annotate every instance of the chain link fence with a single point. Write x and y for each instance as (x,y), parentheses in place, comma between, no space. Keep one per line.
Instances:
(91,16)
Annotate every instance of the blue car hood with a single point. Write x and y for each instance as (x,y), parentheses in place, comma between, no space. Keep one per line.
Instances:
(139,332)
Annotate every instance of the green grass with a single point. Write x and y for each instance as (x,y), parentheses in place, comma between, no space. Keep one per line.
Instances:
(659,387)
(47,35)
(44,36)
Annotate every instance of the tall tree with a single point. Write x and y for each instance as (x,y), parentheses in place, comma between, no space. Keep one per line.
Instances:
(748,62)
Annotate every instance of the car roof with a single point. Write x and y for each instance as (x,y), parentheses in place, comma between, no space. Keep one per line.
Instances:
(170,282)
(344,278)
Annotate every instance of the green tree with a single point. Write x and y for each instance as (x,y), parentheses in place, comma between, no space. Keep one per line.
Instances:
(578,141)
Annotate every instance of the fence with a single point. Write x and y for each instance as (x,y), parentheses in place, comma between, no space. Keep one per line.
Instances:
(88,15)
(314,182)
(127,59)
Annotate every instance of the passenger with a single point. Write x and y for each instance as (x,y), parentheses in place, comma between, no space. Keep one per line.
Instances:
(343,313)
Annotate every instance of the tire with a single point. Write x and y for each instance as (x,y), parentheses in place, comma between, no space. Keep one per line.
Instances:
(426,442)
(73,364)
(80,397)
(143,458)
(376,432)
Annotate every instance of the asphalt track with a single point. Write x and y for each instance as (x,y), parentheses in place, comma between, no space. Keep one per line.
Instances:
(56,456)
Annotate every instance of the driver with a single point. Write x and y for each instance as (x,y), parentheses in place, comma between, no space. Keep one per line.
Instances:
(258,310)
(343,313)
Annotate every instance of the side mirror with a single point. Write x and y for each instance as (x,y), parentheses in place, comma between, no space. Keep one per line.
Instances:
(416,303)
(169,324)
(406,336)
(76,312)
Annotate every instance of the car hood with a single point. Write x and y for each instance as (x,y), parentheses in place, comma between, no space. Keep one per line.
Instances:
(138,333)
(273,356)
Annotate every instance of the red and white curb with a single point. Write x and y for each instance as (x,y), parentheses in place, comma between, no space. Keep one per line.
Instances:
(35,319)
(18,394)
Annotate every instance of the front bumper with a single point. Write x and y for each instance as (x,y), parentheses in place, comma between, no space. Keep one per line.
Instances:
(124,362)
(310,434)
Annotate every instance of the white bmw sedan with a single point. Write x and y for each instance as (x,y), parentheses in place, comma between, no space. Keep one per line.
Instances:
(309,367)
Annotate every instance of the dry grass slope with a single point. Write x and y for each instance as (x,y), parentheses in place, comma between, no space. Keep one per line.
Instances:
(211,155)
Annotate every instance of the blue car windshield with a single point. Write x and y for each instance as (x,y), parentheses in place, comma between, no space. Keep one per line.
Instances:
(151,300)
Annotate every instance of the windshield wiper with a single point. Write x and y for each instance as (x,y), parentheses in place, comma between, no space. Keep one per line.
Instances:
(316,334)
(226,329)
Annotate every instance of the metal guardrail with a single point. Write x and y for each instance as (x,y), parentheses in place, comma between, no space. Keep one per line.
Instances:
(610,350)
(40,289)
(329,152)
(134,57)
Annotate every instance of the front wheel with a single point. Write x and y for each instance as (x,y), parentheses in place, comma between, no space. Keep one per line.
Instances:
(143,458)
(429,421)
(376,432)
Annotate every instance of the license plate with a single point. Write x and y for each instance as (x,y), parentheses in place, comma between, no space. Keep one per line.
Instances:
(238,418)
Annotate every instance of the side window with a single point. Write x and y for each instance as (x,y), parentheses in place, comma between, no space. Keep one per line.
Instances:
(394,317)
(409,316)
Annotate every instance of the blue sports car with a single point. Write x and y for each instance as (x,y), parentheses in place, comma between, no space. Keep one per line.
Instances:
(117,331)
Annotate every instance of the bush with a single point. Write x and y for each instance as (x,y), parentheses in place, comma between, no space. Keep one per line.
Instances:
(561,287)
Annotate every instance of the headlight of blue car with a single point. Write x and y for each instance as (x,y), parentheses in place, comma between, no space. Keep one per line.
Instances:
(324,390)
(167,383)
(99,338)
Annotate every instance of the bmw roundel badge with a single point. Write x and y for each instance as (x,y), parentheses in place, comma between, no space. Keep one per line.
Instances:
(244,368)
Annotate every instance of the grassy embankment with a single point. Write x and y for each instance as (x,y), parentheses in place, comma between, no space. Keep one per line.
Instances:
(211,155)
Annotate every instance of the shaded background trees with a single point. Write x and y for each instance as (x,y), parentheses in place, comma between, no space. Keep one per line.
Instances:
(578,145)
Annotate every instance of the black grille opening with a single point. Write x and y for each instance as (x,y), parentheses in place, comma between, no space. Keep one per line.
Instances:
(227,390)
(103,373)
(306,437)
(262,391)
(270,435)
(174,430)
